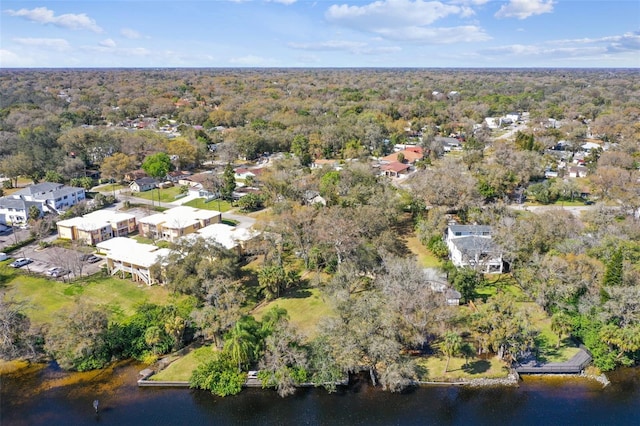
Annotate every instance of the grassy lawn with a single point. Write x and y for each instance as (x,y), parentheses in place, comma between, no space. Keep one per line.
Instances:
(108,187)
(167,195)
(181,369)
(425,257)
(547,340)
(305,307)
(433,368)
(200,203)
(45,297)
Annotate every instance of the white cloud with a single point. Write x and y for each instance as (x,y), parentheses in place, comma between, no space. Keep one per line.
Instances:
(107,43)
(58,44)
(355,47)
(523,9)
(450,35)
(118,51)
(407,20)
(252,60)
(392,14)
(42,15)
(9,59)
(130,34)
(328,45)
(287,2)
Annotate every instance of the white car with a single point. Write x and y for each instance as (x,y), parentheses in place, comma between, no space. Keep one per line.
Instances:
(20,262)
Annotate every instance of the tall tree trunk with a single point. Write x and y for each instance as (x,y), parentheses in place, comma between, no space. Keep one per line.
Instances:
(446,366)
(372,374)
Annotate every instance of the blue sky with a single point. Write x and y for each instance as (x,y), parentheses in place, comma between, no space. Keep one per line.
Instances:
(320,33)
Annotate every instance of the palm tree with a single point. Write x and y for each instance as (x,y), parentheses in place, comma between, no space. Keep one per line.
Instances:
(240,343)
(560,325)
(450,346)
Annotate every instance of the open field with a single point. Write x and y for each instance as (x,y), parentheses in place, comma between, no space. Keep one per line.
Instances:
(180,370)
(433,368)
(200,203)
(305,307)
(425,257)
(167,195)
(45,297)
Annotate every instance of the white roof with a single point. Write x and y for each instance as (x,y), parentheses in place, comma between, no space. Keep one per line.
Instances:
(109,216)
(96,220)
(84,224)
(128,250)
(154,219)
(225,235)
(180,217)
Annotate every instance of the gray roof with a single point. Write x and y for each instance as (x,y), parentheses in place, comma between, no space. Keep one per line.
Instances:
(146,181)
(472,245)
(17,203)
(471,229)
(38,188)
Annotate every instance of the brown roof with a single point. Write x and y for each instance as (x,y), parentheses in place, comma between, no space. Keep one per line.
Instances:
(410,156)
(394,167)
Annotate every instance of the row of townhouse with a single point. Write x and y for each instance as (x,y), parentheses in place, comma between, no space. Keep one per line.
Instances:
(97,226)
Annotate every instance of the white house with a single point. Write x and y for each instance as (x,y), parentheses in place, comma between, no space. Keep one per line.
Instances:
(48,197)
(472,246)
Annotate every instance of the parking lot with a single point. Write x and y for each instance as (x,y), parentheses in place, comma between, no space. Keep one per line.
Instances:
(44,259)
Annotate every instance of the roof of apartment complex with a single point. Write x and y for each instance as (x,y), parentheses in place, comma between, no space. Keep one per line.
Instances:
(46,190)
(180,216)
(130,251)
(225,235)
(96,220)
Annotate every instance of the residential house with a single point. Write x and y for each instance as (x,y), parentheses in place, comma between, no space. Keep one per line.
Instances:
(177,222)
(135,175)
(97,226)
(48,197)
(16,210)
(176,175)
(127,257)
(472,246)
(408,155)
(438,283)
(577,171)
(320,163)
(313,197)
(143,184)
(394,169)
(448,144)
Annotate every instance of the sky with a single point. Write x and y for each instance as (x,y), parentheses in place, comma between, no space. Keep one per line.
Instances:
(320,33)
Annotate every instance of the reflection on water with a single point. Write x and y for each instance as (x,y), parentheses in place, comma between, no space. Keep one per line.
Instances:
(47,396)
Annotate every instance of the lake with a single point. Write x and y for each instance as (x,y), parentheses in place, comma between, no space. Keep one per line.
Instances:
(47,396)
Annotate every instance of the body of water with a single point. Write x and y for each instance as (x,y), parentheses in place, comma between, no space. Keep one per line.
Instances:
(48,396)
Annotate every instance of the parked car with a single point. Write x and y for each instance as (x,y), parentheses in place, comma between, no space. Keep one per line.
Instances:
(90,258)
(20,262)
(57,271)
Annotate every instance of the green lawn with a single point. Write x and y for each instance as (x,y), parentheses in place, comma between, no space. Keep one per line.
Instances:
(45,297)
(425,257)
(433,368)
(305,307)
(180,370)
(200,203)
(167,195)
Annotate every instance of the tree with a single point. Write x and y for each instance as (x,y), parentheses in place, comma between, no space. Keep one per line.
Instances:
(242,343)
(17,340)
(450,346)
(250,202)
(561,325)
(228,183)
(300,147)
(76,338)
(466,280)
(157,166)
(219,375)
(284,364)
(34,213)
(117,165)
